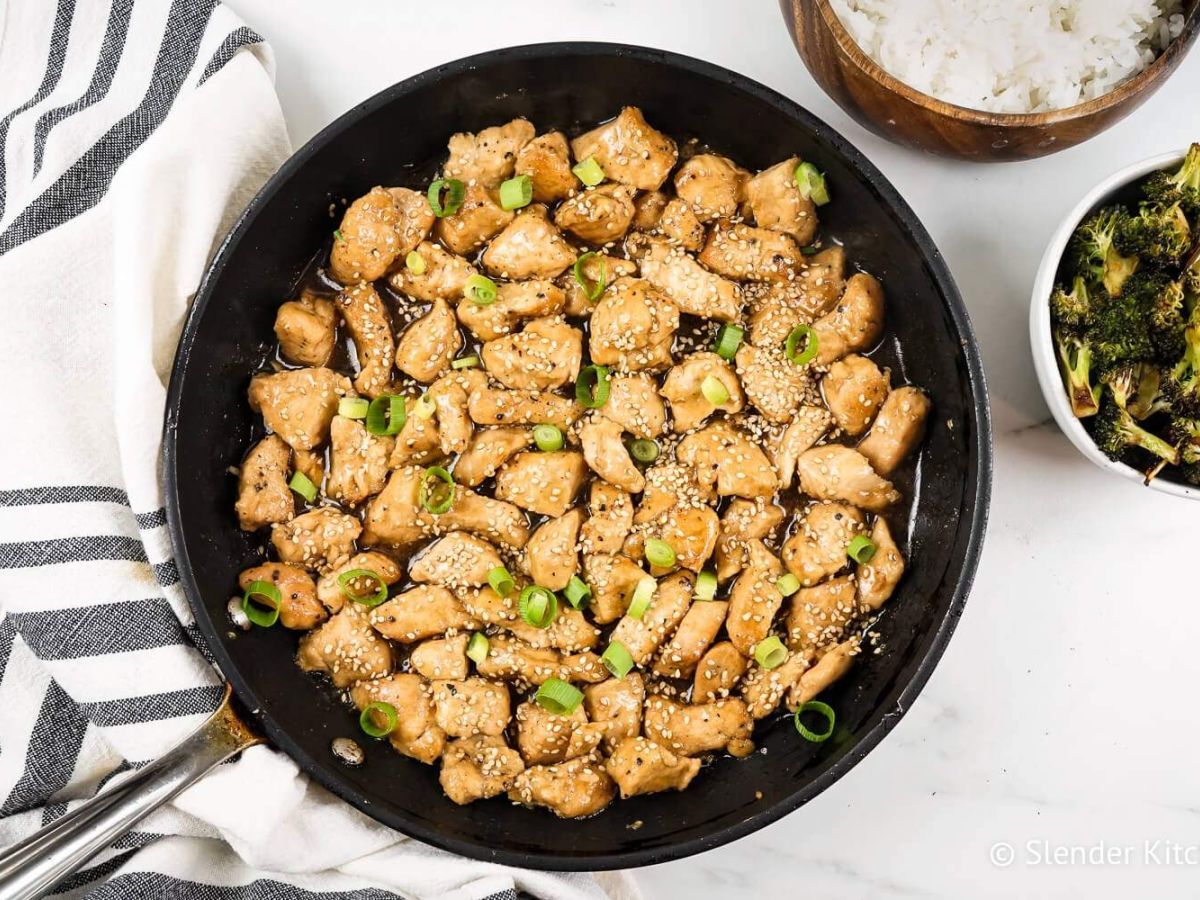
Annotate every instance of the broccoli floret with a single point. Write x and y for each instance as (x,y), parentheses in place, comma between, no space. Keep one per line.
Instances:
(1184,433)
(1116,432)
(1181,186)
(1072,309)
(1120,331)
(1075,361)
(1181,386)
(1147,398)
(1159,235)
(1161,301)
(1095,252)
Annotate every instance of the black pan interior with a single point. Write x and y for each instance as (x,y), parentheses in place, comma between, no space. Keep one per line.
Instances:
(389,139)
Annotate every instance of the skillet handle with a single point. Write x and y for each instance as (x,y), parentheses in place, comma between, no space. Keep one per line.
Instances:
(36,864)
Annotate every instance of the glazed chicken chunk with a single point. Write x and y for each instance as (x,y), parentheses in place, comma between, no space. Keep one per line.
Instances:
(854,324)
(700,728)
(489,157)
(478,767)
(332,593)
(834,472)
(607,455)
(429,344)
(299,607)
(367,320)
(529,247)
(346,648)
(299,404)
(305,329)
(319,539)
(358,461)
(634,404)
(366,244)
(689,285)
(854,389)
(422,612)
(684,389)
(516,301)
(598,215)
(817,549)
(442,275)
(640,766)
(547,161)
(629,150)
(441,658)
(712,186)
(264,497)
(543,483)
(744,253)
(571,789)
(552,556)
(898,429)
(417,733)
(489,449)
(457,561)
(478,220)
(632,327)
(545,355)
(776,202)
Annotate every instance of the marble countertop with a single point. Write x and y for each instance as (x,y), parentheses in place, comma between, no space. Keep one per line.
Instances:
(1051,752)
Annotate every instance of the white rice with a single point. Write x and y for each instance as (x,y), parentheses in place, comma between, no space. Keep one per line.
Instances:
(1012,56)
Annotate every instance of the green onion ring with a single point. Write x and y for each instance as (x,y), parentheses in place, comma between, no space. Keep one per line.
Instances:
(538,606)
(811,184)
(770,653)
(437,498)
(792,344)
(456,191)
(577,592)
(591,289)
(548,438)
(729,338)
(589,172)
(480,290)
(592,386)
(516,192)
(501,581)
(862,549)
(714,390)
(367,723)
(787,584)
(353,407)
(415,263)
(386,415)
(466,362)
(659,553)
(260,594)
(558,697)
(617,659)
(303,486)
(643,450)
(477,647)
(425,407)
(706,586)
(377,596)
(823,709)
(642,597)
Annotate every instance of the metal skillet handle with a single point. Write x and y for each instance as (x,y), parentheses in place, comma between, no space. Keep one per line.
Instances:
(36,864)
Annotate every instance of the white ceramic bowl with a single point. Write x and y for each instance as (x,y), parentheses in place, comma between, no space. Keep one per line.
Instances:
(1045,358)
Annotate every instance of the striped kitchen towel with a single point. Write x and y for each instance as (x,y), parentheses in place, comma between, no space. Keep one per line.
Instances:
(132,132)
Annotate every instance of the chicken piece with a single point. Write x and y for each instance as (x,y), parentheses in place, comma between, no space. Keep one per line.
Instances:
(488,451)
(529,247)
(817,548)
(547,161)
(697,630)
(898,429)
(429,344)
(586,740)
(478,767)
(457,561)
(358,461)
(311,465)
(818,616)
(774,384)
(572,789)
(692,532)
(552,555)
(443,278)
(680,225)
(854,390)
(299,607)
(615,705)
(471,706)
(640,766)
(368,321)
(544,483)
(689,406)
(421,612)
(718,671)
(477,221)
(543,736)
(612,579)
(515,301)
(545,355)
(634,404)
(416,219)
(632,327)
(648,210)
(329,589)
(512,659)
(877,579)
(642,637)
(754,599)
(264,497)
(691,287)
(599,269)
(668,485)
(722,456)
(442,658)
(744,253)
(299,404)
(855,323)
(395,517)
(488,157)
(345,647)
(609,519)
(607,455)
(808,427)
(829,668)
(712,186)
(700,728)
(822,281)
(305,329)
(321,538)
(454,426)
(762,688)
(776,202)
(570,633)
(491,519)
(492,406)
(598,215)
(834,472)
(744,520)
(419,441)
(775,309)
(417,733)
(366,245)
(629,150)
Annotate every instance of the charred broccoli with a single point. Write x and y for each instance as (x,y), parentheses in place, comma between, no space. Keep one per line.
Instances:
(1116,432)
(1121,331)
(1181,387)
(1075,360)
(1181,186)
(1160,300)
(1159,235)
(1184,433)
(1095,252)
(1072,309)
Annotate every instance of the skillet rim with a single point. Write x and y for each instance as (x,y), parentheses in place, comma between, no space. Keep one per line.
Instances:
(324,772)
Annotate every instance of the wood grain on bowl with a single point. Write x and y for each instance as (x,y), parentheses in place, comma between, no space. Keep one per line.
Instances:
(905,115)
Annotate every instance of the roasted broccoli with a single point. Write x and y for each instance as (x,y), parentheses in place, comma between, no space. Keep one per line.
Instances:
(1159,299)
(1075,360)
(1072,309)
(1184,433)
(1181,386)
(1116,432)
(1159,235)
(1095,252)
(1121,331)
(1181,186)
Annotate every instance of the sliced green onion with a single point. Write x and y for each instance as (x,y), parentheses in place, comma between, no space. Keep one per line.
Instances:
(366,719)
(501,581)
(591,289)
(477,647)
(466,362)
(592,386)
(261,603)
(643,594)
(386,414)
(415,263)
(617,659)
(770,653)
(706,586)
(437,498)
(373,597)
(558,697)
(792,349)
(810,250)
(303,486)
(812,183)
(448,205)
(538,606)
(337,233)
(425,407)
(824,710)
(589,172)
(788,584)
(659,553)
(714,390)
(643,450)
(861,549)
(353,407)
(577,592)
(516,192)
(548,438)
(480,290)
(729,338)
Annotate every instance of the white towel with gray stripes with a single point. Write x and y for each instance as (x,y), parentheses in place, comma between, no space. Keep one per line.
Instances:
(132,133)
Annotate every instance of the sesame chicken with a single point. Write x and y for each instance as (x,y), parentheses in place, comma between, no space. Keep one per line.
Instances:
(629,150)
(775,385)
(634,404)
(607,455)
(690,530)
(416,219)
(516,301)
(320,539)
(648,210)
(429,344)
(547,161)
(835,472)
(394,516)
(511,659)
(609,520)
(745,253)
(640,766)
(898,429)
(543,356)
(680,225)
(572,789)
(478,220)
(723,456)
(366,243)
(632,327)
(691,730)
(489,157)
(470,706)
(495,406)
(697,630)
(712,186)
(529,247)
(828,669)
(542,736)
(419,441)
(763,689)
(543,483)
(443,275)
(491,519)
(299,404)
(346,648)
(599,269)
(478,767)
(718,672)
(369,326)
(754,599)
(802,433)
(488,450)
(457,561)
(425,611)
(817,548)
(854,389)
(744,520)
(311,465)
(552,555)
(417,733)
(776,203)
(854,324)
(598,215)
(616,706)
(818,616)
(612,578)
(689,406)
(264,497)
(878,577)
(690,286)
(643,635)
(306,328)
(358,461)
(330,591)
(299,607)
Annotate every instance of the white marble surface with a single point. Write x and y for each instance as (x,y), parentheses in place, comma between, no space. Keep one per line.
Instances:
(1065,711)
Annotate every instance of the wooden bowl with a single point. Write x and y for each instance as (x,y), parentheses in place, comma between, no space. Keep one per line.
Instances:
(903,114)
